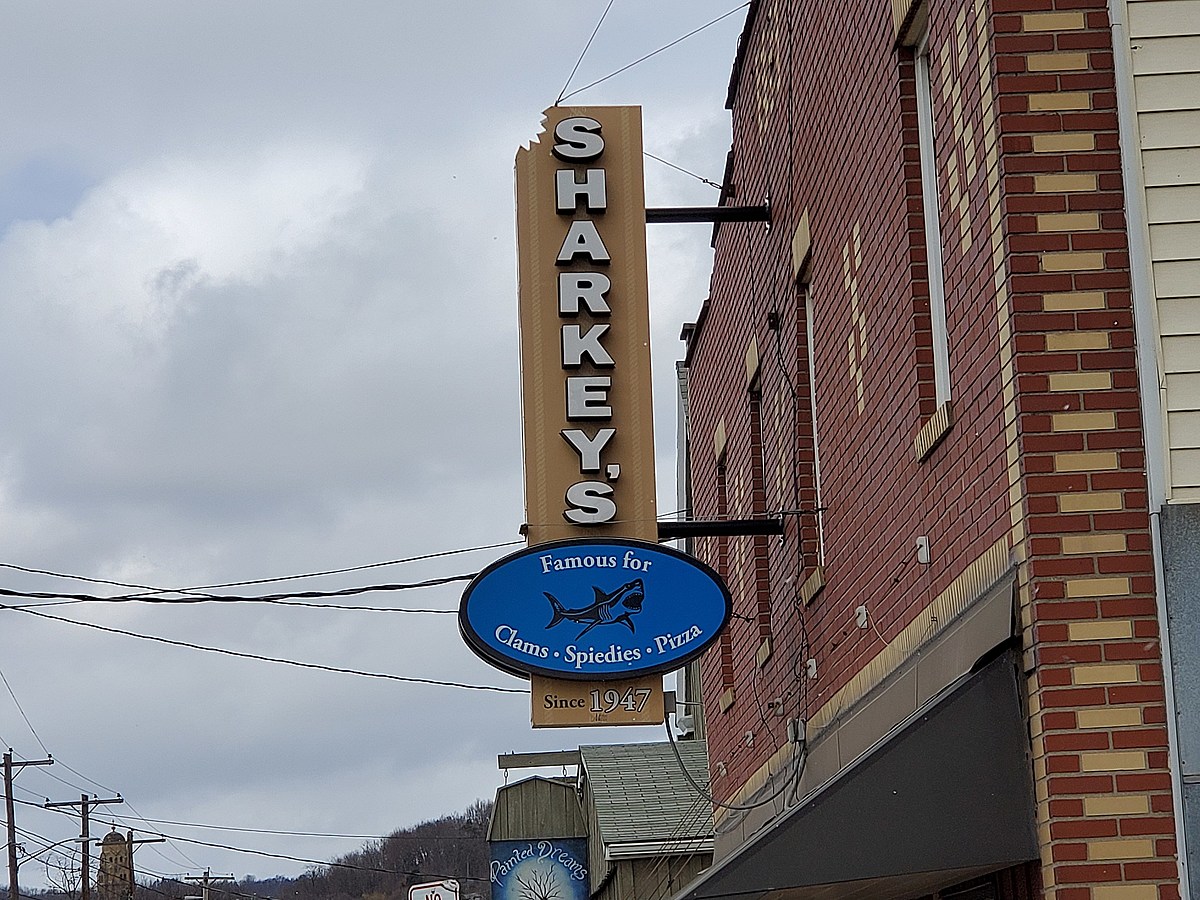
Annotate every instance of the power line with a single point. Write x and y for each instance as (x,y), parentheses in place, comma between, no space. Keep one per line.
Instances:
(284,599)
(111,815)
(653,53)
(337,864)
(241,829)
(408,679)
(586,47)
(70,784)
(138,817)
(317,862)
(184,601)
(321,834)
(85,778)
(17,703)
(318,574)
(672,165)
(282,832)
(797,764)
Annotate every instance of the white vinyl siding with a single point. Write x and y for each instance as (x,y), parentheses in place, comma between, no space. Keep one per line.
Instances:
(1165,41)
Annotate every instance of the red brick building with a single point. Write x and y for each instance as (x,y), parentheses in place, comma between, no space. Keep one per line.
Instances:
(946,674)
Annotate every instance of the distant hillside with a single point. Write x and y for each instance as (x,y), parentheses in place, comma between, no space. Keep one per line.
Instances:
(453,846)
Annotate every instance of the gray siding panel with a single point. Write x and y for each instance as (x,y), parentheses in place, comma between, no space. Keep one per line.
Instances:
(1178,316)
(1174,91)
(1171,167)
(1173,204)
(1176,279)
(1169,129)
(1167,54)
(1164,18)
(1176,241)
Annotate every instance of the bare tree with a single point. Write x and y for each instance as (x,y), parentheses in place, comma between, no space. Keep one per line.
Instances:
(63,875)
(541,885)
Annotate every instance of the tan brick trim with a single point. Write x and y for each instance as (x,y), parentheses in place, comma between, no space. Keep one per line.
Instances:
(1064,142)
(1096,501)
(764,653)
(1081,381)
(801,248)
(1061,184)
(932,432)
(813,585)
(752,362)
(1100,630)
(1136,848)
(1060,100)
(1073,221)
(1085,460)
(1067,341)
(1097,587)
(1073,301)
(1129,805)
(727,699)
(974,581)
(1056,62)
(908,20)
(1055,21)
(1125,892)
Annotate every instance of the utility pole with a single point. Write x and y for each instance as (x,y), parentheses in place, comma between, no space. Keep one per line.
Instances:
(129,844)
(85,803)
(204,881)
(14,893)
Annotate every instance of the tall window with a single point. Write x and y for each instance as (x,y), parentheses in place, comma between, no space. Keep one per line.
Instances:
(758,509)
(810,358)
(722,567)
(933,226)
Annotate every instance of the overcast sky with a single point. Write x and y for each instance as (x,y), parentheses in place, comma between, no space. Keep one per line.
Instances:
(258,318)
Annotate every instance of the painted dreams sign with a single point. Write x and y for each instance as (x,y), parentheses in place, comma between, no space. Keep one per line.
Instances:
(585,333)
(540,870)
(593,609)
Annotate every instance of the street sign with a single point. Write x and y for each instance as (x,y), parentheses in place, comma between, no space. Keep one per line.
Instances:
(434,890)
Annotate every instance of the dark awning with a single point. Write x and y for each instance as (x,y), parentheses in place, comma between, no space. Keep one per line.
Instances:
(948,796)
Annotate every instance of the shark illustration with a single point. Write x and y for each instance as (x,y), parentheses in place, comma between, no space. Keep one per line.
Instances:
(619,606)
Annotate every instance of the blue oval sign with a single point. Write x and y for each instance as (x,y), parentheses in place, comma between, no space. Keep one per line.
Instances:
(593,609)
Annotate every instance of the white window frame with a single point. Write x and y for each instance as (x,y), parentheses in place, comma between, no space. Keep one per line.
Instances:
(933,225)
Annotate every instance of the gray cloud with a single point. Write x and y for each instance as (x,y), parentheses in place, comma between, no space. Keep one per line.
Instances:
(259,318)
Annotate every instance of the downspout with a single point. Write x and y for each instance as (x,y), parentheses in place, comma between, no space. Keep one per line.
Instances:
(1150,382)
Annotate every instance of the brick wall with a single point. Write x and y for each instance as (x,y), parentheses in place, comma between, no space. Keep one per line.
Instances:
(828,131)
(1100,741)
(1043,456)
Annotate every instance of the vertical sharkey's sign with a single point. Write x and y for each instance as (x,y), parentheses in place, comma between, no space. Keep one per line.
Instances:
(585,329)
(585,337)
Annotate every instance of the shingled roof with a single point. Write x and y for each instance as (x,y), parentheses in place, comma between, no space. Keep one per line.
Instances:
(642,796)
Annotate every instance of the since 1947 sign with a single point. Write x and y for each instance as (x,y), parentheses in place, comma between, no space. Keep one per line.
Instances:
(593,609)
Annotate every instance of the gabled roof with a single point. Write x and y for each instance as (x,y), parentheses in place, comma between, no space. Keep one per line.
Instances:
(642,796)
(536,808)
